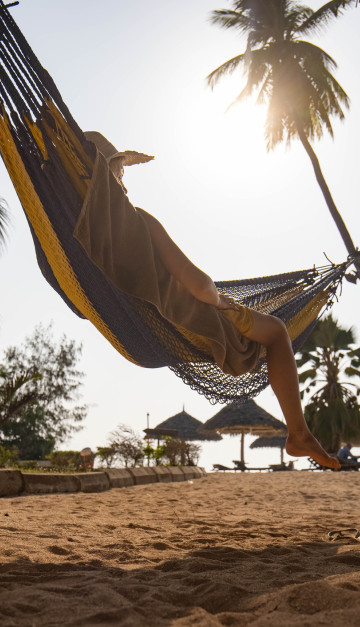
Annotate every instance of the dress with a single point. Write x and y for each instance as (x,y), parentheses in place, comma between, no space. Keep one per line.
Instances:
(116,237)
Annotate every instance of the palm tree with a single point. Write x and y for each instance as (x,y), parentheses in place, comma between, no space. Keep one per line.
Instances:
(332,410)
(289,73)
(4,222)
(15,394)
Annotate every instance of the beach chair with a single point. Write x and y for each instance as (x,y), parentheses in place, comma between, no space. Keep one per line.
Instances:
(348,465)
(243,467)
(314,465)
(221,467)
(283,466)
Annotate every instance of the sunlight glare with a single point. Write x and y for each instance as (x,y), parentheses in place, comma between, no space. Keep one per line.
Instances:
(226,142)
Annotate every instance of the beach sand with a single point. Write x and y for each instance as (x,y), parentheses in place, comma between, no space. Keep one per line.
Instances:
(234,549)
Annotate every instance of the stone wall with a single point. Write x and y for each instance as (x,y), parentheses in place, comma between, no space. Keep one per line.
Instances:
(15,482)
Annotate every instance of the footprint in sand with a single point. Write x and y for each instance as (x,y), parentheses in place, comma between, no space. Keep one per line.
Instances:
(350,558)
(58,550)
(348,586)
(160,546)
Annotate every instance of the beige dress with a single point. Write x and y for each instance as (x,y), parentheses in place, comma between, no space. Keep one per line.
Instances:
(116,237)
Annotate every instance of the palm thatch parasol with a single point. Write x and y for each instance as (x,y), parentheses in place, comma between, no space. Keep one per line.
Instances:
(159,434)
(187,427)
(275,441)
(244,418)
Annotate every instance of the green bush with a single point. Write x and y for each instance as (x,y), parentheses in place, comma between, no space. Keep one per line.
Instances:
(8,456)
(29,464)
(107,455)
(68,461)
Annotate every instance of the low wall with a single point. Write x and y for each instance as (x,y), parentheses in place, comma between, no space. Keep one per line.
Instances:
(15,482)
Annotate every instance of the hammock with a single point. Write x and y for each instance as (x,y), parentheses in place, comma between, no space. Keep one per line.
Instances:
(50,163)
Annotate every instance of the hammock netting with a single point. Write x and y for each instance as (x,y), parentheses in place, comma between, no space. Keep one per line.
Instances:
(50,163)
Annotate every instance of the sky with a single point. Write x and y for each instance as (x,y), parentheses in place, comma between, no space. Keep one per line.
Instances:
(136,72)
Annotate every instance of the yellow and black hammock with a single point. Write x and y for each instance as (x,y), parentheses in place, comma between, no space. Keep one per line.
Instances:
(51,164)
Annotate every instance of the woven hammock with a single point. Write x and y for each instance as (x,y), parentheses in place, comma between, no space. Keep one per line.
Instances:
(50,163)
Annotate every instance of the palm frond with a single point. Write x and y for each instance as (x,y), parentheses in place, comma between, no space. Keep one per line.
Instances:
(307,374)
(265,89)
(226,68)
(320,18)
(4,222)
(226,18)
(257,70)
(307,50)
(352,372)
(295,19)
(355,353)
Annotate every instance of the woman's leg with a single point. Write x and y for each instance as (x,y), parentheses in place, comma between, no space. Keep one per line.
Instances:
(283,377)
(268,331)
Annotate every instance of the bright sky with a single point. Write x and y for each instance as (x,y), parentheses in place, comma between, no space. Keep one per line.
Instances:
(136,71)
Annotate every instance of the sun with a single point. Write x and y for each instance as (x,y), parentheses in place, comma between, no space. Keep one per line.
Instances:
(217,140)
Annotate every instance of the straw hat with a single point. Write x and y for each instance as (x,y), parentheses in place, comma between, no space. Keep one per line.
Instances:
(128,157)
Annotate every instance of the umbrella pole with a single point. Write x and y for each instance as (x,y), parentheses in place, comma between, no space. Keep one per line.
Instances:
(281,455)
(242,447)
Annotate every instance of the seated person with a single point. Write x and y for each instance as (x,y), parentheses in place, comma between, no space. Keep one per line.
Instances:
(345,456)
(87,458)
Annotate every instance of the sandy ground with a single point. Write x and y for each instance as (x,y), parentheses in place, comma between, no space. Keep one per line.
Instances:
(237,550)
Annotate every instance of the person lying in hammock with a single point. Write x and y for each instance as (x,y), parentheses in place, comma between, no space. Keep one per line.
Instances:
(267,330)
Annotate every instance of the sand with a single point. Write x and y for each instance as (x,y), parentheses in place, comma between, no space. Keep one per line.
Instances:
(228,549)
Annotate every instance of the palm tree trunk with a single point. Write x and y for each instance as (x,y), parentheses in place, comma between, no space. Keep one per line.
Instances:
(328,198)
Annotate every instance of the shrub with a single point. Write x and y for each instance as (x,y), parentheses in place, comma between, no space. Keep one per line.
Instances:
(127,446)
(65,460)
(181,453)
(107,455)
(8,456)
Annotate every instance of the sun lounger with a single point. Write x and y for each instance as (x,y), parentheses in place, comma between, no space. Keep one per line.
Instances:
(243,467)
(221,467)
(314,465)
(278,467)
(238,466)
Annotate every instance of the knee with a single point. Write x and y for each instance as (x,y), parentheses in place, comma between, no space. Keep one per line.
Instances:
(268,330)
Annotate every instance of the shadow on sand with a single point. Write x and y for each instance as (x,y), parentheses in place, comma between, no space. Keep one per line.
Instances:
(294,584)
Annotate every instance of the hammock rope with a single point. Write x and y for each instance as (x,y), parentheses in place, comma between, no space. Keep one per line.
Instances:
(50,163)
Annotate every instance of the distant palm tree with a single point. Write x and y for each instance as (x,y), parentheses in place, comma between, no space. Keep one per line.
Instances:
(4,222)
(15,394)
(292,75)
(332,410)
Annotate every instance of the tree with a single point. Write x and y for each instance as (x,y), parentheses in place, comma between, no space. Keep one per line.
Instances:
(29,434)
(106,454)
(332,410)
(127,446)
(289,73)
(181,453)
(51,414)
(15,393)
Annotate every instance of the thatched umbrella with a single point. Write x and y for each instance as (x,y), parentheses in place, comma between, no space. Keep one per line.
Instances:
(159,434)
(244,418)
(187,427)
(275,441)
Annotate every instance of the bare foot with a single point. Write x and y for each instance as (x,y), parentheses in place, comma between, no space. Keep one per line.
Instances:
(303,444)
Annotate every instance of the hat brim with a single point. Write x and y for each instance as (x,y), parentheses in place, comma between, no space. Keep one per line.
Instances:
(131,157)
